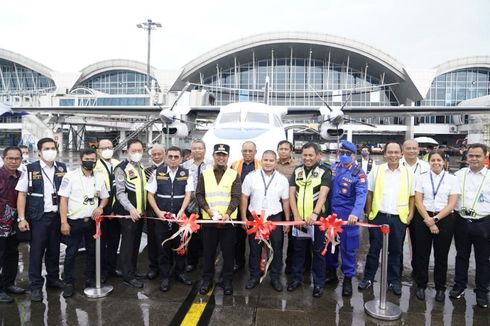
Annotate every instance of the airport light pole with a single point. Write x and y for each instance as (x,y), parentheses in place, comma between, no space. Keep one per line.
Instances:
(149,25)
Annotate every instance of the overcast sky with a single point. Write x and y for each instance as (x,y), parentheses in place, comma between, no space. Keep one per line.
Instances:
(69,35)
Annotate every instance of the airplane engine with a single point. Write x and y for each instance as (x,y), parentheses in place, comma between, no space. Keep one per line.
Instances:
(331,132)
(176,129)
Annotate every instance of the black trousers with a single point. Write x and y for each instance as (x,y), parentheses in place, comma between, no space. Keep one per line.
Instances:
(290,252)
(153,244)
(276,239)
(111,236)
(45,242)
(166,256)
(425,241)
(9,260)
(470,233)
(225,237)
(79,229)
(130,243)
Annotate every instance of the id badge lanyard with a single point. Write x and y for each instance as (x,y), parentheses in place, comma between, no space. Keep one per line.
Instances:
(266,187)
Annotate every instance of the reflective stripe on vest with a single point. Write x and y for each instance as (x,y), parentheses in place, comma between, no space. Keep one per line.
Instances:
(134,184)
(406,182)
(238,166)
(218,196)
(308,189)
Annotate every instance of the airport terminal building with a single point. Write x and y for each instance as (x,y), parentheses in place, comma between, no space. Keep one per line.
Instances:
(302,69)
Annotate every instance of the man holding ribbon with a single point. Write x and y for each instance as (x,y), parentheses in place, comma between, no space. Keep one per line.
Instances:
(268,191)
(347,200)
(169,194)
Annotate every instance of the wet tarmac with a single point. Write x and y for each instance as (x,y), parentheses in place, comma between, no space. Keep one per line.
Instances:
(260,306)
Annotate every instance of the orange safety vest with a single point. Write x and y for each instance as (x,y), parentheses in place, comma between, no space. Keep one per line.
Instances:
(238,165)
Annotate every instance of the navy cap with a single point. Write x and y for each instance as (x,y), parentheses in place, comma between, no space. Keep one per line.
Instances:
(221,148)
(344,144)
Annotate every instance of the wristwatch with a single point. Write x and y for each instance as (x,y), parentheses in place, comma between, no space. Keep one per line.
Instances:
(20,219)
(435,218)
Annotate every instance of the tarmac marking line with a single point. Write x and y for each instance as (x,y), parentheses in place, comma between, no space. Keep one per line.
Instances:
(195,313)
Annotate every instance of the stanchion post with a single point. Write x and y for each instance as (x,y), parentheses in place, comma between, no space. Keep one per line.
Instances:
(381,309)
(99,291)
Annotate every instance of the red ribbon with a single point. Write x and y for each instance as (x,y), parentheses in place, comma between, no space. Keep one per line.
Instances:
(261,227)
(98,230)
(332,227)
(385,229)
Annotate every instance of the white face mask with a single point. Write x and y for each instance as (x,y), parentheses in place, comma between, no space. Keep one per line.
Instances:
(49,155)
(135,157)
(25,157)
(107,154)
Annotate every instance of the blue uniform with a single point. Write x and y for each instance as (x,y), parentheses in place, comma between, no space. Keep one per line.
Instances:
(348,197)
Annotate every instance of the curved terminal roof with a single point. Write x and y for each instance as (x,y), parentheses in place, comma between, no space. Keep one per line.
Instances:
(462,63)
(113,64)
(26,62)
(359,54)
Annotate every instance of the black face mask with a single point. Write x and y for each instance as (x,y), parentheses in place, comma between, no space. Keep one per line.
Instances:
(88,165)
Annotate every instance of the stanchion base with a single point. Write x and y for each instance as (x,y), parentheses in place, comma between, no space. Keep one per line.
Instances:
(98,292)
(391,311)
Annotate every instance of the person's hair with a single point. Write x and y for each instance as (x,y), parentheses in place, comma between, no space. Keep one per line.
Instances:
(186,151)
(88,151)
(101,139)
(199,141)
(134,141)
(282,142)
(11,148)
(364,146)
(438,152)
(23,146)
(175,149)
(269,151)
(479,145)
(43,141)
(386,146)
(250,142)
(311,145)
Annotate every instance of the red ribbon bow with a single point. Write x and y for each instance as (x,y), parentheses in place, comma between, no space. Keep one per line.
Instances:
(332,227)
(261,227)
(98,230)
(187,226)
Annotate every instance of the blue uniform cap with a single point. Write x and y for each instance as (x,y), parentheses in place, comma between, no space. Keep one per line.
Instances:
(344,144)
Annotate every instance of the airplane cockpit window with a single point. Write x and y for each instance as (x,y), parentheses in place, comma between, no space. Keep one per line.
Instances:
(230,117)
(257,117)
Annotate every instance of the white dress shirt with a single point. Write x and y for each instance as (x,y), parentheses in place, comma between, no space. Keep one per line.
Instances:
(443,184)
(391,188)
(418,168)
(76,187)
(476,186)
(48,182)
(254,187)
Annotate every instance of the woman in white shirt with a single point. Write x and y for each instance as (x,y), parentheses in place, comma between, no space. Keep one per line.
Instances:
(436,194)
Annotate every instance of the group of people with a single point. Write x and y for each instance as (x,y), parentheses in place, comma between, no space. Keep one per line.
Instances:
(56,205)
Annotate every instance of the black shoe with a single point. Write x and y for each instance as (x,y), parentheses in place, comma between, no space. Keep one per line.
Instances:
(183,279)
(151,275)
(14,289)
(482,302)
(165,285)
(347,287)
(205,287)
(227,287)
(55,284)
(37,295)
(317,291)
(294,285)
(68,291)
(456,293)
(395,288)
(420,294)
(276,285)
(189,268)
(365,284)
(440,295)
(331,277)
(237,267)
(139,275)
(5,298)
(251,283)
(134,283)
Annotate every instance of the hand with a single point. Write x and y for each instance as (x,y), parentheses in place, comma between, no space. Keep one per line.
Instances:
(285,229)
(434,229)
(133,213)
(179,215)
(65,228)
(97,213)
(24,226)
(161,215)
(352,220)
(311,219)
(429,222)
(225,217)
(244,226)
(299,226)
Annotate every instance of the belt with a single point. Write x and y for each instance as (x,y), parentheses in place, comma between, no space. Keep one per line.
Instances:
(389,215)
(473,220)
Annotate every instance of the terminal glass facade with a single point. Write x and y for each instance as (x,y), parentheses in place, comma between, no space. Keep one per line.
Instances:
(118,82)
(16,80)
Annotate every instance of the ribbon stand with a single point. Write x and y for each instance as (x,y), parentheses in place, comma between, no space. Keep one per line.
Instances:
(380,309)
(99,291)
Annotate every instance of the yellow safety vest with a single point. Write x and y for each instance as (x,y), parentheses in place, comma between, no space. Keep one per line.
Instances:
(135,188)
(100,168)
(406,184)
(218,196)
(307,189)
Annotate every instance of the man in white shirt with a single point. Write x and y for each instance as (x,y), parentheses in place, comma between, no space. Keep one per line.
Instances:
(473,225)
(79,193)
(268,191)
(367,163)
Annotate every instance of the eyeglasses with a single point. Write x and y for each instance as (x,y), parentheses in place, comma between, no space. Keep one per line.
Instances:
(12,159)
(173,157)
